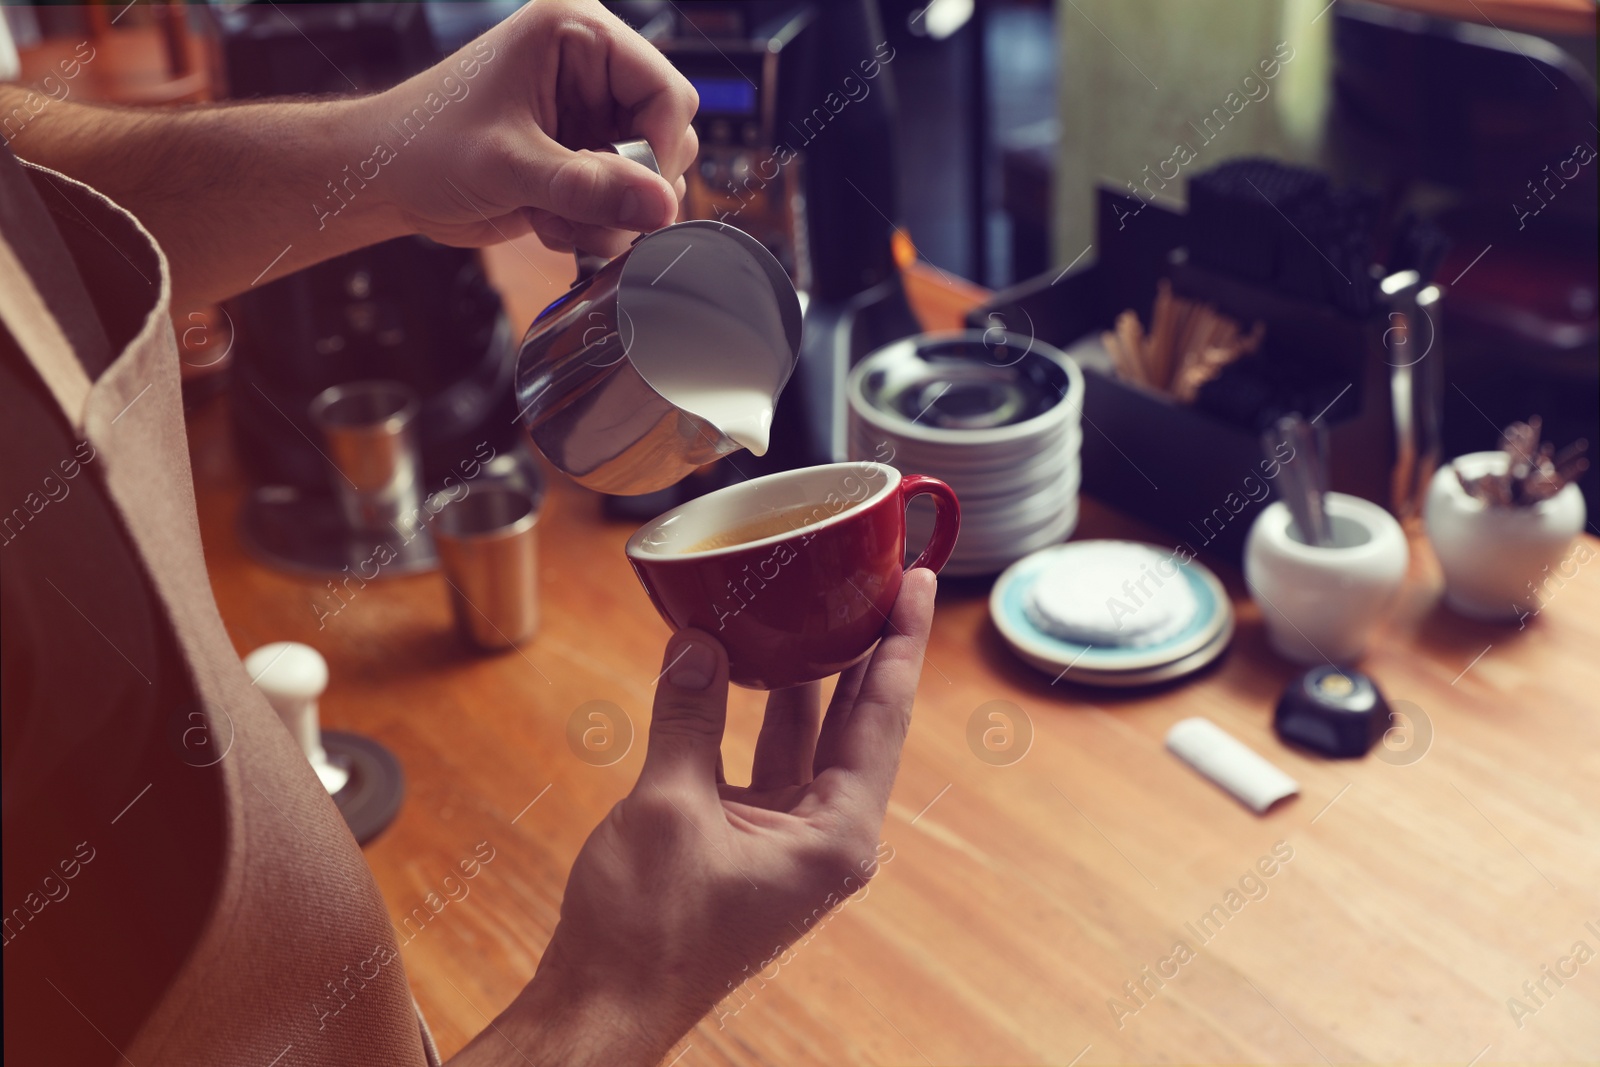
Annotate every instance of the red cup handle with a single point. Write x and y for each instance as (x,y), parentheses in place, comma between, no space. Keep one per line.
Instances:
(946,518)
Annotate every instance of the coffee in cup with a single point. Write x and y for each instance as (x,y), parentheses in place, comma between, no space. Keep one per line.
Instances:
(770,525)
(795,573)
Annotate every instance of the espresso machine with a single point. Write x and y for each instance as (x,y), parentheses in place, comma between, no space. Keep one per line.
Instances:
(796,124)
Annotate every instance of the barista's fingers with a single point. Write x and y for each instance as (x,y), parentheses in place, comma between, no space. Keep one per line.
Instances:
(788,737)
(555,234)
(555,244)
(569,236)
(593,188)
(865,745)
(602,241)
(550,226)
(846,688)
(661,101)
(844,698)
(691,708)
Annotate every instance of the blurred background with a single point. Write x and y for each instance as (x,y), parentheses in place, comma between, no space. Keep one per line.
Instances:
(982,148)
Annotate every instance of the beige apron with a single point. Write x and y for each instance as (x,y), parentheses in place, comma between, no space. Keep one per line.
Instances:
(294,960)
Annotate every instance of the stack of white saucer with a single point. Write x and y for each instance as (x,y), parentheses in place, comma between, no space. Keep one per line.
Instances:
(994,415)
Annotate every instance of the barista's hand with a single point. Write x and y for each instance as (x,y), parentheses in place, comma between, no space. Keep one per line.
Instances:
(689,886)
(517,111)
(477,149)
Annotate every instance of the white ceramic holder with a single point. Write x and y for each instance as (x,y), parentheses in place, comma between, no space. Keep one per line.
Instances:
(1320,604)
(293,676)
(1496,560)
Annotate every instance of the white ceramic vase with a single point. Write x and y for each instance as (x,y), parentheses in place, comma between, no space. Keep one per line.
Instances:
(1498,562)
(1320,604)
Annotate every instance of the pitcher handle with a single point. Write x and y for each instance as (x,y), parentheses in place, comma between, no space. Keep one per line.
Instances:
(946,518)
(638,151)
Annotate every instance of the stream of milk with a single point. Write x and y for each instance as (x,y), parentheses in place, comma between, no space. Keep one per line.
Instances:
(707,362)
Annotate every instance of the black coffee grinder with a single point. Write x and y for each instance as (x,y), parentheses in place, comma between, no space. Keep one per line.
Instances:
(407,310)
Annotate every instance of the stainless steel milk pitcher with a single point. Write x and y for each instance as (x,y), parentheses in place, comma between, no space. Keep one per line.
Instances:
(606,376)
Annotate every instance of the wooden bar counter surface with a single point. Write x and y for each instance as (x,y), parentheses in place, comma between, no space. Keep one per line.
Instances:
(1408,902)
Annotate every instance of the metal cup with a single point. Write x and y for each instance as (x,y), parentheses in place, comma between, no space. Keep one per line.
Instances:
(370,432)
(488,546)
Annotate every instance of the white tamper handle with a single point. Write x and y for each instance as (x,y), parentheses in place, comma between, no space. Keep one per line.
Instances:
(293,676)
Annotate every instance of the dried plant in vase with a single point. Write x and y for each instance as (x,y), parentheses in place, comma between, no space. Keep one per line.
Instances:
(1533,471)
(1504,524)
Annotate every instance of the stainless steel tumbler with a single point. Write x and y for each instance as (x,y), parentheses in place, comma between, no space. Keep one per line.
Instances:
(370,431)
(488,551)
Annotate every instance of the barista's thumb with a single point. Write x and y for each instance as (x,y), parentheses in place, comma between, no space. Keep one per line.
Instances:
(600,189)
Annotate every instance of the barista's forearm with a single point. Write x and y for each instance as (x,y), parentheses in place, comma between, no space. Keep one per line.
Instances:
(236,195)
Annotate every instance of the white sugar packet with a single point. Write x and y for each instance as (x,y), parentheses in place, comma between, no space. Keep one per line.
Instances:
(1224,759)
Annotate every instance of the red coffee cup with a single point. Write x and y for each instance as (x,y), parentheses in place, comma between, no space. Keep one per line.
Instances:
(802,603)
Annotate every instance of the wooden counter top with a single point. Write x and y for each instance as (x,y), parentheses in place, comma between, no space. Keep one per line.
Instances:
(1407,901)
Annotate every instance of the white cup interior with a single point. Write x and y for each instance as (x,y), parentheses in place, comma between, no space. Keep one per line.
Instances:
(831,493)
(700,320)
(1347,532)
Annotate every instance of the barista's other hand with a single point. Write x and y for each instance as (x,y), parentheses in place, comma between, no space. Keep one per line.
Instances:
(501,134)
(690,885)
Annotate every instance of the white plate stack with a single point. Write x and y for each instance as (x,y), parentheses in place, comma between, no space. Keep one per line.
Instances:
(994,415)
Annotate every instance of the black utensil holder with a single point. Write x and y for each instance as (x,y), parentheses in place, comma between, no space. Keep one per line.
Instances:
(1197,478)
